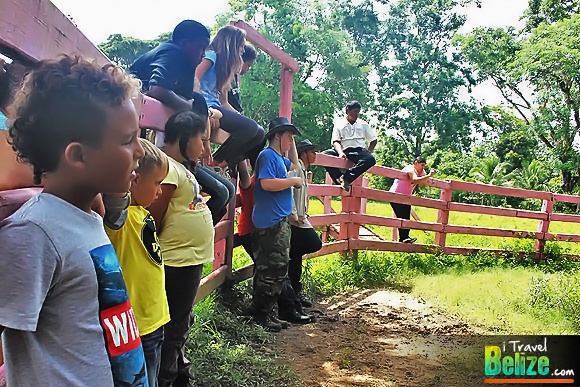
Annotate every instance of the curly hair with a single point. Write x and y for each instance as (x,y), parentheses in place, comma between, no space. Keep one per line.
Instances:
(63,101)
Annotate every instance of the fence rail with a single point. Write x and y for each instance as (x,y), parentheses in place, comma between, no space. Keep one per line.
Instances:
(354,204)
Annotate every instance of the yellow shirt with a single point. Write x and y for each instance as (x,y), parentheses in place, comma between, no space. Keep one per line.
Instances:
(187,236)
(137,247)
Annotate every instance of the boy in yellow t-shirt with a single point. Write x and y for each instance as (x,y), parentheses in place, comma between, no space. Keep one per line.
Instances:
(131,229)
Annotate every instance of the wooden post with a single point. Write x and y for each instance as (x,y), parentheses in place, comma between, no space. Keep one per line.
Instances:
(354,206)
(286,93)
(345,200)
(443,216)
(363,201)
(543,227)
(327,202)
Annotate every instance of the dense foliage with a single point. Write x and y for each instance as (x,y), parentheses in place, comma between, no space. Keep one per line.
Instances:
(414,73)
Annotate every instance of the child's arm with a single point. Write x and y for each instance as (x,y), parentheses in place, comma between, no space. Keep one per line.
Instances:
(168,98)
(420,180)
(274,185)
(116,206)
(158,208)
(245,179)
(293,156)
(200,71)
(226,103)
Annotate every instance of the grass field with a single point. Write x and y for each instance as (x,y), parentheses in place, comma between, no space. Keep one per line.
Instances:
(506,295)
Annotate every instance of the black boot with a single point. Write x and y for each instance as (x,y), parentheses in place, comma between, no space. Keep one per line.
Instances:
(283,324)
(266,322)
(304,301)
(295,317)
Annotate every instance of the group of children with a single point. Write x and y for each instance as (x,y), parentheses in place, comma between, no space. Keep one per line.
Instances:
(89,299)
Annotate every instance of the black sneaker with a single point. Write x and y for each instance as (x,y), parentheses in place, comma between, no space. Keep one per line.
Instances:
(410,240)
(295,317)
(345,184)
(305,302)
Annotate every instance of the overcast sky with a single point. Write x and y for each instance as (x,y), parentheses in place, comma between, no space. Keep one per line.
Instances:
(147,19)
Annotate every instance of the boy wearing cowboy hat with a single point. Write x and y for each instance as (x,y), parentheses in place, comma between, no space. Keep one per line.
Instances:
(304,240)
(273,205)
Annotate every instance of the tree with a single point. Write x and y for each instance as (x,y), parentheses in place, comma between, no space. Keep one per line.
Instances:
(491,171)
(125,50)
(516,148)
(419,73)
(549,12)
(548,60)
(532,175)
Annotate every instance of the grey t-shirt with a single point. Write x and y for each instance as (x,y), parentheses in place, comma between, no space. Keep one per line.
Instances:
(63,301)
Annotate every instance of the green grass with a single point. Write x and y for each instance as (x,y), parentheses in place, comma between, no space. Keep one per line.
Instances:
(226,349)
(505,295)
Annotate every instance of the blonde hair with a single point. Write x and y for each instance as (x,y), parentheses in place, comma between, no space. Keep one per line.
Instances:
(153,158)
(227,44)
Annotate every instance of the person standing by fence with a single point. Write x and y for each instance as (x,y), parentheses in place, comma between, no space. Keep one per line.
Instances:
(186,235)
(417,175)
(273,205)
(348,142)
(304,239)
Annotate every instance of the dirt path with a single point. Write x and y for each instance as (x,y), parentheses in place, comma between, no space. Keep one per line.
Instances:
(378,338)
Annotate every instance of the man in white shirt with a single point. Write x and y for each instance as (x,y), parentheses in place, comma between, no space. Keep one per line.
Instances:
(349,141)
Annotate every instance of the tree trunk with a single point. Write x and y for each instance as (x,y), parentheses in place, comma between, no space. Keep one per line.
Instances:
(568,182)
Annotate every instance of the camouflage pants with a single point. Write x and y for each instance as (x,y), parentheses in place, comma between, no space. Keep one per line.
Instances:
(271,248)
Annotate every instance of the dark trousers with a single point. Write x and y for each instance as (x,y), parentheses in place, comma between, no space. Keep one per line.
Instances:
(362,159)
(271,248)
(402,211)
(246,241)
(288,301)
(304,241)
(181,285)
(245,136)
(218,187)
(152,343)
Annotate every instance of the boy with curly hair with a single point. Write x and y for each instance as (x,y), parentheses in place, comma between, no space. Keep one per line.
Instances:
(65,313)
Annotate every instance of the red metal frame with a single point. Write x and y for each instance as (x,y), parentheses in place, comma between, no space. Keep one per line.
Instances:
(289,65)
